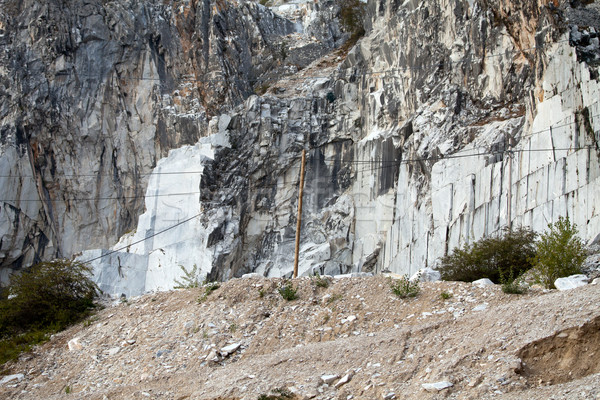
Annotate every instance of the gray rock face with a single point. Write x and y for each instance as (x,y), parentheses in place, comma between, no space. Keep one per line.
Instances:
(442,125)
(93,93)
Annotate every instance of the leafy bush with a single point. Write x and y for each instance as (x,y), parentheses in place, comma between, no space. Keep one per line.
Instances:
(491,257)
(559,253)
(288,292)
(352,16)
(55,293)
(403,287)
(445,295)
(46,298)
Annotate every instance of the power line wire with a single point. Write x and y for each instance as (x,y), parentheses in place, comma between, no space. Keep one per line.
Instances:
(327,160)
(144,239)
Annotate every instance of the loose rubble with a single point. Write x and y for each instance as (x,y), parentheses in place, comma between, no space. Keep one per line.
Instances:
(351,340)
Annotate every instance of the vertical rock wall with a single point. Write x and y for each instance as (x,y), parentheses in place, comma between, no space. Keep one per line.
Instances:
(407,133)
(93,93)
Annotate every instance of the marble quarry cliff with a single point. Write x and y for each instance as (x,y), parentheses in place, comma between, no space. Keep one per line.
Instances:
(152,138)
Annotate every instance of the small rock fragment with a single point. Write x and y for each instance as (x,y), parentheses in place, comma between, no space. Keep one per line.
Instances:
(517,366)
(227,350)
(437,386)
(345,379)
(426,275)
(74,344)
(483,282)
(328,379)
(10,378)
(388,396)
(113,351)
(213,356)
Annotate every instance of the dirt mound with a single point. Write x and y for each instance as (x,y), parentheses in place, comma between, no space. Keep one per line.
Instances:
(352,339)
(565,356)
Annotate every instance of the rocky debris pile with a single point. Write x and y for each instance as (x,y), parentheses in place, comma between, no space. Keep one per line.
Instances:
(348,339)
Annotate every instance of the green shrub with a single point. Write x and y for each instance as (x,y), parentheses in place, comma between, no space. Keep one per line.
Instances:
(352,14)
(333,298)
(288,292)
(559,253)
(511,250)
(42,300)
(55,293)
(403,287)
(445,295)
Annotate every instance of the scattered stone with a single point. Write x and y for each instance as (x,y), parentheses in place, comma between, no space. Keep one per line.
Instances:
(426,275)
(227,350)
(74,344)
(10,378)
(388,396)
(350,318)
(252,275)
(361,274)
(213,356)
(113,351)
(571,282)
(437,386)
(517,366)
(328,379)
(483,282)
(596,281)
(162,352)
(189,327)
(480,307)
(345,379)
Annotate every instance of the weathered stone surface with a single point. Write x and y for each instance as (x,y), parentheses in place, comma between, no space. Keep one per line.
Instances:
(94,94)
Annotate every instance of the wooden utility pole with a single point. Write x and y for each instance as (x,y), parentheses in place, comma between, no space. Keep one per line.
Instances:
(509,194)
(299,220)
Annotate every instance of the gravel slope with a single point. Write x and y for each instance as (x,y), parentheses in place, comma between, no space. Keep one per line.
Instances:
(487,344)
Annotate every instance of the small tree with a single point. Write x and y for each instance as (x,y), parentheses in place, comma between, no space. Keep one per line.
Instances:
(49,295)
(559,253)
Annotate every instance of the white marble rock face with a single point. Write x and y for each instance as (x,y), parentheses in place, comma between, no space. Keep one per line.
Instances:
(406,139)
